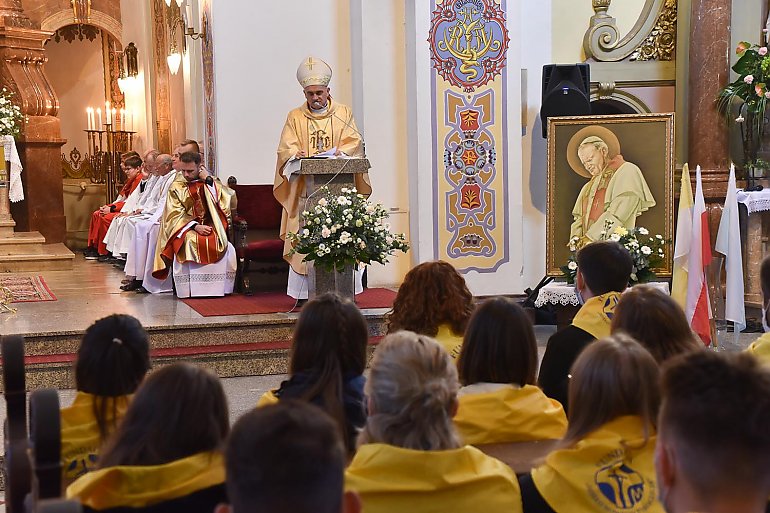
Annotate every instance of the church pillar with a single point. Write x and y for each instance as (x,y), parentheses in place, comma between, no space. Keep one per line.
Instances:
(22,57)
(709,69)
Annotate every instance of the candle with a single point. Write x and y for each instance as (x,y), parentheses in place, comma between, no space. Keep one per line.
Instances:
(89,118)
(99,115)
(132,120)
(189,17)
(107,112)
(123,119)
(114,119)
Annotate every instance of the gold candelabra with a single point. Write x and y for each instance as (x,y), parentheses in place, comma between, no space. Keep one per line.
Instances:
(104,149)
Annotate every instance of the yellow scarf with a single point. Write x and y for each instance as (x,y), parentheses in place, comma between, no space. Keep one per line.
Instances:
(267,399)
(141,486)
(760,348)
(449,340)
(508,414)
(80,440)
(390,479)
(595,315)
(610,470)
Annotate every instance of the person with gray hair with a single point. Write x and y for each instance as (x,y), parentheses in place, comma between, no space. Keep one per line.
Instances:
(616,193)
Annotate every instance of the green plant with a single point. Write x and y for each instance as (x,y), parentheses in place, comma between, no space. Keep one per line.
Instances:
(346,229)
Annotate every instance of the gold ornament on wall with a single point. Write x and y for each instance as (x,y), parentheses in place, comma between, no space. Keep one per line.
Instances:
(81,11)
(660,45)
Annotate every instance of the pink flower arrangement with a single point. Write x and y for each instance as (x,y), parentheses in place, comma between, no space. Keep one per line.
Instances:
(749,79)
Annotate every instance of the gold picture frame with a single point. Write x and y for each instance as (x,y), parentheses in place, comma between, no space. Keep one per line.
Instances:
(644,140)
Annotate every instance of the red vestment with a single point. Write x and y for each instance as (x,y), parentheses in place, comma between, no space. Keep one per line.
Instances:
(100,223)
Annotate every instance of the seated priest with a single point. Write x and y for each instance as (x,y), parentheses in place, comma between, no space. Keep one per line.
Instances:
(102,217)
(193,233)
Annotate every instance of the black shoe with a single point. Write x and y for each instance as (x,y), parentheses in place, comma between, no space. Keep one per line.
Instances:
(103,258)
(142,290)
(132,285)
(120,264)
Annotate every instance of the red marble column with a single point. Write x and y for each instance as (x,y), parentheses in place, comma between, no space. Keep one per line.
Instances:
(708,73)
(22,57)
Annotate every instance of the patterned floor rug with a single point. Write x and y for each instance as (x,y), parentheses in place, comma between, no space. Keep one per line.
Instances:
(26,289)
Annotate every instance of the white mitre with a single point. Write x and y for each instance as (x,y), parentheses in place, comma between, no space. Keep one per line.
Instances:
(314,71)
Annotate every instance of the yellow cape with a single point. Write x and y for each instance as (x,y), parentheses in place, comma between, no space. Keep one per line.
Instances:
(610,470)
(392,479)
(509,414)
(80,439)
(451,342)
(761,348)
(267,399)
(595,316)
(140,486)
(337,121)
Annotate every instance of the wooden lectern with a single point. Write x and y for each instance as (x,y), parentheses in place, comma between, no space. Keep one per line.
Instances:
(336,174)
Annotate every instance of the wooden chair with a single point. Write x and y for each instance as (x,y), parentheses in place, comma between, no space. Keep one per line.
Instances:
(520,456)
(45,444)
(18,477)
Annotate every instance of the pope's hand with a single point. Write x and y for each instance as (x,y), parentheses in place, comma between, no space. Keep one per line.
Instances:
(203,229)
(299,154)
(337,153)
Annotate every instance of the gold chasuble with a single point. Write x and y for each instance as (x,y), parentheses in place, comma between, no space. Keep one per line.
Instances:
(312,132)
(610,470)
(189,202)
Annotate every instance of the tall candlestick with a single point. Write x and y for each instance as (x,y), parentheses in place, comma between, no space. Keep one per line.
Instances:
(99,115)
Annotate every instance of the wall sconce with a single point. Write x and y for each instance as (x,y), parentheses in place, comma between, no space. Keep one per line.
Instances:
(174,58)
(129,72)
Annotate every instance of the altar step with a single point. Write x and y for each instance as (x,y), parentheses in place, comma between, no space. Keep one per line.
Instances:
(252,348)
(28,251)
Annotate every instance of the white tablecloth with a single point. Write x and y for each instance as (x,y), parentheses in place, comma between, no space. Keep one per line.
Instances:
(755,201)
(15,190)
(560,293)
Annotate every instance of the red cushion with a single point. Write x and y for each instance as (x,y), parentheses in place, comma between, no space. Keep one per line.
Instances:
(264,250)
(258,206)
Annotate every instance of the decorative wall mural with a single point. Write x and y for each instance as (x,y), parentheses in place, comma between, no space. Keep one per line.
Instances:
(209,100)
(468,41)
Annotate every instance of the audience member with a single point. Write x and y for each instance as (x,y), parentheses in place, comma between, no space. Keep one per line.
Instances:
(605,461)
(713,450)
(112,360)
(102,217)
(656,321)
(433,300)
(761,346)
(497,365)
(192,239)
(286,457)
(410,457)
(327,362)
(602,275)
(166,453)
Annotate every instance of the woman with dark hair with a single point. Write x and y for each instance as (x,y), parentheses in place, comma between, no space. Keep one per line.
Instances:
(327,362)
(761,346)
(499,401)
(166,453)
(656,321)
(112,360)
(410,457)
(433,300)
(605,461)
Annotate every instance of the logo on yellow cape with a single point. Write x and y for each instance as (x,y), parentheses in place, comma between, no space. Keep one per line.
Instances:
(620,487)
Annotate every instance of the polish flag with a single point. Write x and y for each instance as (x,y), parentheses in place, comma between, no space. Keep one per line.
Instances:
(698,308)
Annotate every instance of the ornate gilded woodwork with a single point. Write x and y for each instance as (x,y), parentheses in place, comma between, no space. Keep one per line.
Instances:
(80,32)
(162,93)
(78,166)
(653,36)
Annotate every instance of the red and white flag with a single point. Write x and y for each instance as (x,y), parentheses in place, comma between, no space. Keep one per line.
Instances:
(698,308)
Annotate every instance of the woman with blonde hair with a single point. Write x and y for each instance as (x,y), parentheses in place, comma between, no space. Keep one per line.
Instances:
(654,320)
(605,461)
(410,457)
(499,401)
(433,300)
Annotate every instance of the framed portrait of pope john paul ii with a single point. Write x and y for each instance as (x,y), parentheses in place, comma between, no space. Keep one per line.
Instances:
(606,172)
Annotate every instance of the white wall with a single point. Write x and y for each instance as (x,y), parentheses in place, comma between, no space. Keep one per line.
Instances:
(76,72)
(256,54)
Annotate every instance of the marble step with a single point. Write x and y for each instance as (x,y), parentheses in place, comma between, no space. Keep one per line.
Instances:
(19,238)
(35,257)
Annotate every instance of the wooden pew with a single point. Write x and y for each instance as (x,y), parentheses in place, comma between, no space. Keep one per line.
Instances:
(17,465)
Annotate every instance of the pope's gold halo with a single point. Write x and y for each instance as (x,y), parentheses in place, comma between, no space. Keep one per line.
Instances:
(607,135)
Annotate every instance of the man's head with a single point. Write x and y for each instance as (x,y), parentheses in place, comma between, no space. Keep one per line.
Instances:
(132,166)
(603,266)
(163,164)
(713,445)
(286,457)
(190,165)
(314,75)
(317,96)
(593,153)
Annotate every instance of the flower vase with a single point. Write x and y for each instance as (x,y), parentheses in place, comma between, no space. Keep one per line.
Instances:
(321,281)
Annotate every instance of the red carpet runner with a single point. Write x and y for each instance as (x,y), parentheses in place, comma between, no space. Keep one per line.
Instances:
(275,302)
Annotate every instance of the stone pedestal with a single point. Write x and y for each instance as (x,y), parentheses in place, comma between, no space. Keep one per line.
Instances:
(708,144)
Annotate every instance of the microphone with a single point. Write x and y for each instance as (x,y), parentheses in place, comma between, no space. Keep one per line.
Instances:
(349,125)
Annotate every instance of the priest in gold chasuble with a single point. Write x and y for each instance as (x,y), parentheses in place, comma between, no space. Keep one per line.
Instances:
(318,126)
(193,234)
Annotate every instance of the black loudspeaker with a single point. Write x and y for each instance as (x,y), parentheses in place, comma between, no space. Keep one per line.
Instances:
(566,90)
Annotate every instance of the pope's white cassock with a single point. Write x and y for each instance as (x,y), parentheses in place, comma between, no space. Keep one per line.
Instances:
(142,237)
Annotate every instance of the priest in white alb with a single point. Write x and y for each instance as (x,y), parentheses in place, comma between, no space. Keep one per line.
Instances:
(319,125)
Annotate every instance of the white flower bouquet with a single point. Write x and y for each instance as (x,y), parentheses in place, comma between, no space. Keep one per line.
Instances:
(11,117)
(647,252)
(346,230)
